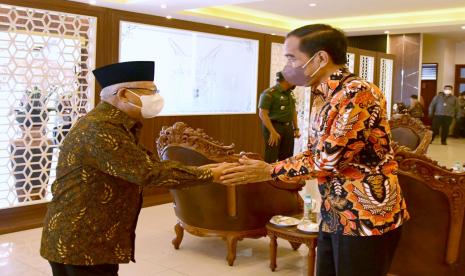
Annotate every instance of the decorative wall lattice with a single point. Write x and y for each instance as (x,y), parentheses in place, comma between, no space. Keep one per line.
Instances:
(385,81)
(46,84)
(351,62)
(367,68)
(302,94)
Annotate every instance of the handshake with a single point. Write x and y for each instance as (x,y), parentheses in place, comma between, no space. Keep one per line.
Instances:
(244,171)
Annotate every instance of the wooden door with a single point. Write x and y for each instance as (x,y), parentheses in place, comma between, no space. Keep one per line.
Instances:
(459,86)
(428,90)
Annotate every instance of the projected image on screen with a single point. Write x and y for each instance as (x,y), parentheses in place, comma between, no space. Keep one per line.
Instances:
(197,73)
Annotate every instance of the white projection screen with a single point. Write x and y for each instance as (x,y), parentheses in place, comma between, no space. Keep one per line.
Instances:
(197,73)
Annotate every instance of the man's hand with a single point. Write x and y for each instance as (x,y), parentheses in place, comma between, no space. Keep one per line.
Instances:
(274,139)
(211,166)
(249,171)
(296,133)
(218,169)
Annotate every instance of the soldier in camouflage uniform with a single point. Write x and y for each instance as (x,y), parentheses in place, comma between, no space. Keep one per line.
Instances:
(279,120)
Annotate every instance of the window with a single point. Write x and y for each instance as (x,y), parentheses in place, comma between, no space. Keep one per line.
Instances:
(197,73)
(46,85)
(367,68)
(429,71)
(385,81)
(351,62)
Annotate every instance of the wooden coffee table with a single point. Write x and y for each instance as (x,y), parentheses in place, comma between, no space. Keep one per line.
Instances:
(295,238)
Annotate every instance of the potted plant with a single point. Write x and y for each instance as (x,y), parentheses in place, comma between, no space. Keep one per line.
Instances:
(32,152)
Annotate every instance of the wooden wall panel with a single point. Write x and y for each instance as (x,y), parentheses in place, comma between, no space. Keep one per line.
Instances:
(407,51)
(376,43)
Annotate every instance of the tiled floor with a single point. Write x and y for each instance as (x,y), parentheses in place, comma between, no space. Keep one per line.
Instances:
(448,155)
(19,252)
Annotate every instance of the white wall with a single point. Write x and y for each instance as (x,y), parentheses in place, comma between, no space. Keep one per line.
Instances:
(460,53)
(441,51)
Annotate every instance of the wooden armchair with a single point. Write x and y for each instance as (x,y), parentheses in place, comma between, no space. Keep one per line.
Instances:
(410,132)
(433,240)
(214,210)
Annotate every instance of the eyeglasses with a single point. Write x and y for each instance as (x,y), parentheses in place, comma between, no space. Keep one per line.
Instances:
(156,91)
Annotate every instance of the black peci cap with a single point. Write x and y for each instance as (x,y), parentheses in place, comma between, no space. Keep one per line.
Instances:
(280,76)
(125,72)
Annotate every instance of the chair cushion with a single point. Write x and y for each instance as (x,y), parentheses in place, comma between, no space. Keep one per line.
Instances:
(405,137)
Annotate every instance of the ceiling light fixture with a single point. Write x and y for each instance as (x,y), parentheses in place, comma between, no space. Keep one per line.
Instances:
(169,17)
(273,34)
(312,5)
(93,2)
(387,32)
(163,6)
(227,26)
(463,27)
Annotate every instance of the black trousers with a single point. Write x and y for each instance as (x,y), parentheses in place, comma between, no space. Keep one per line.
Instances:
(339,255)
(285,147)
(443,123)
(84,270)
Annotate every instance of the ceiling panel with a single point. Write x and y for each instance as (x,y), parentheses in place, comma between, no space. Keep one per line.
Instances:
(356,17)
(346,8)
(154,6)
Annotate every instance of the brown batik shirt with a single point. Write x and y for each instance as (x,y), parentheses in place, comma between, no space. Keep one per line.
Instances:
(97,195)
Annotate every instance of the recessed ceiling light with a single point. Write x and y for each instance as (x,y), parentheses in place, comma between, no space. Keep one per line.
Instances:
(386,32)
(163,6)
(93,2)
(463,27)
(227,26)
(273,34)
(312,4)
(169,17)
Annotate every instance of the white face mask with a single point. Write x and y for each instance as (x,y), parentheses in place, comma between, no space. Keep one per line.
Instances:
(151,104)
(448,92)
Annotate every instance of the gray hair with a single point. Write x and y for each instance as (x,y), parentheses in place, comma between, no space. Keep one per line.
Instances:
(107,92)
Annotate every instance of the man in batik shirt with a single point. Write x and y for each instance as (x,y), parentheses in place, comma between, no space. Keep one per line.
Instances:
(349,153)
(90,223)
